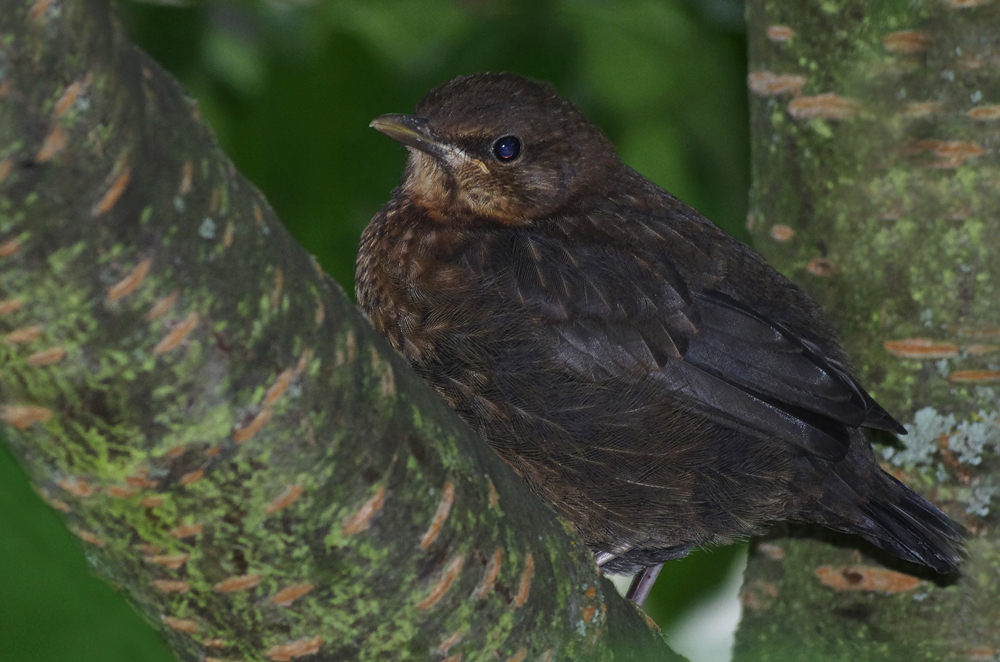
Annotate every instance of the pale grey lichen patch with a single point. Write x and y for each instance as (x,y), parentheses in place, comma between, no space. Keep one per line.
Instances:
(980,496)
(987,394)
(922,438)
(941,473)
(207,229)
(971,438)
(968,440)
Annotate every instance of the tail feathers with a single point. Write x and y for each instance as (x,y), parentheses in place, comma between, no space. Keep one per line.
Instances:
(895,519)
(919,537)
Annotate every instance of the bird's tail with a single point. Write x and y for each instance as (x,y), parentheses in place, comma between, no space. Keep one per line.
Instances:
(888,514)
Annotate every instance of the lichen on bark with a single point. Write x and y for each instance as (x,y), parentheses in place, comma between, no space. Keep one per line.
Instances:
(875,168)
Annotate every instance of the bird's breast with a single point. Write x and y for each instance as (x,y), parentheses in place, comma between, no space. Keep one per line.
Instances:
(416,283)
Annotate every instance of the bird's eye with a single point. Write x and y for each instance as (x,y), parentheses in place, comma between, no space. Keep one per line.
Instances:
(507,148)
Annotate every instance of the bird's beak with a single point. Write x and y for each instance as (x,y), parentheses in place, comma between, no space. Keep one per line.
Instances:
(411,131)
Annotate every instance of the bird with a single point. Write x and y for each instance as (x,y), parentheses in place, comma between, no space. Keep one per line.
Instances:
(650,377)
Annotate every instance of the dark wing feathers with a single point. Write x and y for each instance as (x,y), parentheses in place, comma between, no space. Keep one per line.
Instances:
(723,358)
(776,363)
(757,357)
(724,402)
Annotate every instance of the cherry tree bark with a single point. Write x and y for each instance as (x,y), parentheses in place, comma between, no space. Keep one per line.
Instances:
(876,129)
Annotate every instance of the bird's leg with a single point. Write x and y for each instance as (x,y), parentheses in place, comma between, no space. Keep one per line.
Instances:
(642,584)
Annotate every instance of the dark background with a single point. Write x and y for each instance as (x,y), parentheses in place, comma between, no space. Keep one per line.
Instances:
(289,88)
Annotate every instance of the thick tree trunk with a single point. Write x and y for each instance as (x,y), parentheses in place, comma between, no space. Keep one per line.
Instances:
(876,129)
(262,476)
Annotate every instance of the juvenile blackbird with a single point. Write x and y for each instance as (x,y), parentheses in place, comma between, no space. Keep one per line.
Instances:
(652,378)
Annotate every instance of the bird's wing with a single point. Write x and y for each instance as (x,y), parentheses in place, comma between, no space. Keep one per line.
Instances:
(704,349)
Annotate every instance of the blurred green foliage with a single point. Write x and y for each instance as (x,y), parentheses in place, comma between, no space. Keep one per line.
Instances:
(289,87)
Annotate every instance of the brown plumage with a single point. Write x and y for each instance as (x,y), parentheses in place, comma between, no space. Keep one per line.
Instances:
(652,378)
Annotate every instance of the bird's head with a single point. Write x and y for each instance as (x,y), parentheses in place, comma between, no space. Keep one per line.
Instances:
(498,147)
